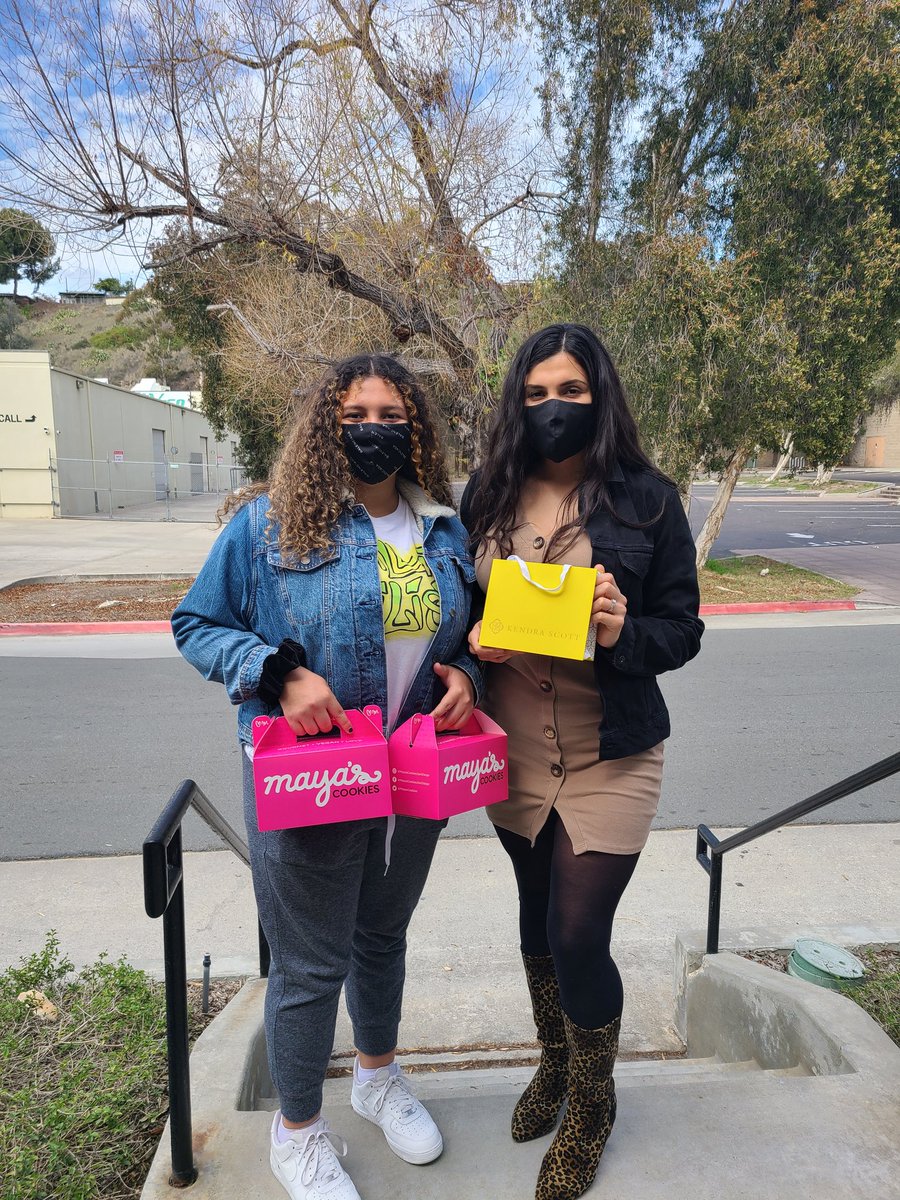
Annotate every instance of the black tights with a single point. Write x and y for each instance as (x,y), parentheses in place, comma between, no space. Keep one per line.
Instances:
(567,902)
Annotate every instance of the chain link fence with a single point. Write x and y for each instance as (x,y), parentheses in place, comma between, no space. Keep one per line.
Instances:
(157,490)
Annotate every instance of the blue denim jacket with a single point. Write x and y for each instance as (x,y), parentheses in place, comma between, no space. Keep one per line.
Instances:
(248,598)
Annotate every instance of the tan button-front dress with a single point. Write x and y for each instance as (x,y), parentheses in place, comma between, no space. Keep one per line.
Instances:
(551,711)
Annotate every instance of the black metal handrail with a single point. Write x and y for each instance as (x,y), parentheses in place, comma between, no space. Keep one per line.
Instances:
(164,897)
(711,851)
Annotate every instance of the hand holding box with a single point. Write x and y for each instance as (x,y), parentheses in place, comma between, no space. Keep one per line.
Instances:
(438,775)
(322,779)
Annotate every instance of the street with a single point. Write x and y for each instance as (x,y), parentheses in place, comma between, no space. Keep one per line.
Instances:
(765,521)
(766,715)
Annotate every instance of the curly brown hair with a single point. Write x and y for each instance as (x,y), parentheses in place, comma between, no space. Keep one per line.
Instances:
(311,484)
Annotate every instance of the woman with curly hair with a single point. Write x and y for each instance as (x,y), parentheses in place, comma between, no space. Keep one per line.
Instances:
(565,480)
(344,582)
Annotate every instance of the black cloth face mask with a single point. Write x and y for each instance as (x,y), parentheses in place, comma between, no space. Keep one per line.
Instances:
(376,451)
(557,429)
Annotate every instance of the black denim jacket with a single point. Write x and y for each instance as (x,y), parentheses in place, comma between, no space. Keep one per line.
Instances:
(655,569)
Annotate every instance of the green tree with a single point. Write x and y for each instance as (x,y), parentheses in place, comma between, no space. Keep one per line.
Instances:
(27,249)
(10,322)
(815,204)
(113,286)
(768,133)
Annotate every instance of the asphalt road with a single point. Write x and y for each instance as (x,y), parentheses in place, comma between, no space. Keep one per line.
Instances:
(752,523)
(93,747)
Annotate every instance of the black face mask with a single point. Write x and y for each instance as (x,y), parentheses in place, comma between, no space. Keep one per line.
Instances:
(557,429)
(376,451)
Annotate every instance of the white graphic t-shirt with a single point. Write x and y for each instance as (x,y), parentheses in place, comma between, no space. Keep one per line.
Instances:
(410,602)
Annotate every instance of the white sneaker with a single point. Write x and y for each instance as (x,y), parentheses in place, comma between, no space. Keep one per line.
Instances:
(388,1101)
(307,1165)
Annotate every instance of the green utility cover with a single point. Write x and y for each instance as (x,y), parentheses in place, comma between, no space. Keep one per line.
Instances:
(799,970)
(834,962)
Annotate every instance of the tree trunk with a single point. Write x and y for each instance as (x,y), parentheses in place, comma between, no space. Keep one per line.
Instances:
(784,460)
(716,515)
(684,491)
(823,474)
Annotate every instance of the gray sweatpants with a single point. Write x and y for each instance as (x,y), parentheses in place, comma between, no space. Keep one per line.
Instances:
(333,917)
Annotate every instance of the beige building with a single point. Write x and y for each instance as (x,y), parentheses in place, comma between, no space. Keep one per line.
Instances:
(878,445)
(72,446)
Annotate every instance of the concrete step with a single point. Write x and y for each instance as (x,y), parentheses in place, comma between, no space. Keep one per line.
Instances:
(729,1132)
(440,1084)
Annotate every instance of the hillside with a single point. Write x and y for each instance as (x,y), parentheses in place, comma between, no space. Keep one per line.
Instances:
(122,344)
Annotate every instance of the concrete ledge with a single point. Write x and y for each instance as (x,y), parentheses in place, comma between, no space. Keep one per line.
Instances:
(739,1009)
(690,950)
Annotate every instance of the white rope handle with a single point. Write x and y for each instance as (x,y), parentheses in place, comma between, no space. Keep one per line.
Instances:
(526,575)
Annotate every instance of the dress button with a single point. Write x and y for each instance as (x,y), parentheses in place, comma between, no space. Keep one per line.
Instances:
(556,770)
(546,685)
(538,542)
(549,732)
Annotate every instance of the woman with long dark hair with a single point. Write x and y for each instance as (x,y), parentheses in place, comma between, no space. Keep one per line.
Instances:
(565,480)
(343,582)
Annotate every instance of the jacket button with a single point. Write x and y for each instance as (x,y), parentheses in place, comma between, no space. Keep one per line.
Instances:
(440,566)
(538,542)
(546,685)
(621,660)
(556,770)
(549,732)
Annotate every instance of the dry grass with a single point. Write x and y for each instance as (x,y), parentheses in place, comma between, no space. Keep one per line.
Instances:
(739,581)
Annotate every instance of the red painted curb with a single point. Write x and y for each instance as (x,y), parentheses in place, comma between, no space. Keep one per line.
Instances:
(786,606)
(54,628)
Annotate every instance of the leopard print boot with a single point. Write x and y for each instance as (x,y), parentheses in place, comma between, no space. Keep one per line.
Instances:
(571,1163)
(539,1105)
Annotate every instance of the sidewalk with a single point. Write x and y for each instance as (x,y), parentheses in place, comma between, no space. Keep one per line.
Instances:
(465,986)
(35,549)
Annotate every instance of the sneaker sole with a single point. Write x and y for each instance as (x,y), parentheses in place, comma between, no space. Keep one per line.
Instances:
(418,1158)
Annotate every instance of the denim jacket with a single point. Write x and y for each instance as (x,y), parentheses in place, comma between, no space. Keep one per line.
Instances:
(248,598)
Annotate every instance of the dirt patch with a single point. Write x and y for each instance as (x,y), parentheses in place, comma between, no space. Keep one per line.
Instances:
(723,581)
(93,600)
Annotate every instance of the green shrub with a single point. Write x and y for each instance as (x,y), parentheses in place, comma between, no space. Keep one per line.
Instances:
(82,1098)
(117,337)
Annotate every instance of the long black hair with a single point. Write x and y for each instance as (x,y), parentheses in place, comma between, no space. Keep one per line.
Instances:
(511,458)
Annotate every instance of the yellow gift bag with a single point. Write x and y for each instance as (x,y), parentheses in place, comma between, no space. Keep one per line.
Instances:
(540,608)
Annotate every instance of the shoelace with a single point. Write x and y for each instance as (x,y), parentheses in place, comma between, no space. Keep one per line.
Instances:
(319,1151)
(406,1101)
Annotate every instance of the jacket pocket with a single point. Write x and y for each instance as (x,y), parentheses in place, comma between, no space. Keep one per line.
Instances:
(637,561)
(306,584)
(465,566)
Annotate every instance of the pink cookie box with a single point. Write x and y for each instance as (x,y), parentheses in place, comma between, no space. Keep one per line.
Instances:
(320,780)
(439,775)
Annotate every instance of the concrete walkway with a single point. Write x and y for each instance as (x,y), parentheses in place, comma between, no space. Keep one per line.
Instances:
(35,549)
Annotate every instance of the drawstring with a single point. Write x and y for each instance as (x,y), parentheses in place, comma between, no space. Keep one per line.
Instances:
(388,838)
